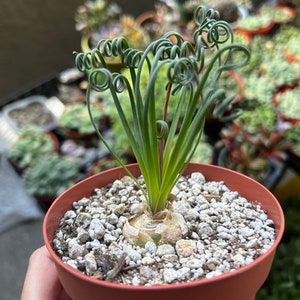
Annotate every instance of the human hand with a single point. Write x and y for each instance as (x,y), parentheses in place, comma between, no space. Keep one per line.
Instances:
(41,280)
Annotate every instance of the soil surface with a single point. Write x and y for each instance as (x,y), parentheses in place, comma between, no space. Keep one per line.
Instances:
(219,232)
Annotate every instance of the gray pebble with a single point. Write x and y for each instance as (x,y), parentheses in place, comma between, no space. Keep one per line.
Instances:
(165,249)
(82,235)
(90,263)
(96,229)
(83,219)
(75,250)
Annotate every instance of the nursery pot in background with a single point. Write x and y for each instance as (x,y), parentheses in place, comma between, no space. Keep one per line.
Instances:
(241,284)
(272,175)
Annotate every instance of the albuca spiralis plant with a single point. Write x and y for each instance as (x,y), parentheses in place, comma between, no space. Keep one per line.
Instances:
(163,148)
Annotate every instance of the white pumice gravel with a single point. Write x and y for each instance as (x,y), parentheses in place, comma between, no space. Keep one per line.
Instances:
(225,232)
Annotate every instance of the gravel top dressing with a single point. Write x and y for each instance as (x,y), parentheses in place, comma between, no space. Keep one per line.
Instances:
(221,231)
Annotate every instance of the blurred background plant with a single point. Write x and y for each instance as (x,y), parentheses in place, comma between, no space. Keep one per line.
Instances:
(75,117)
(51,175)
(95,13)
(97,19)
(31,144)
(252,140)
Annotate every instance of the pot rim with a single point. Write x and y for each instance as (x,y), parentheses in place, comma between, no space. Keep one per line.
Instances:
(239,271)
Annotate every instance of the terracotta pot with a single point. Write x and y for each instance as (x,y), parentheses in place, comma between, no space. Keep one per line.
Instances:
(55,141)
(150,22)
(241,284)
(148,16)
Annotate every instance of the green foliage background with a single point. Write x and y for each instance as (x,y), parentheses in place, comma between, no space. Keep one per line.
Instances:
(283,282)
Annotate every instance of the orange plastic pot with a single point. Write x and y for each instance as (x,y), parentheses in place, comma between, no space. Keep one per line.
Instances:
(241,284)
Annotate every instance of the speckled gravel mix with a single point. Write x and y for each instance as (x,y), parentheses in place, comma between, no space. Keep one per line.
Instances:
(224,232)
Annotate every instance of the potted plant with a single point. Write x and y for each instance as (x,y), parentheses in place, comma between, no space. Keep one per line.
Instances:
(168,15)
(255,24)
(31,144)
(259,88)
(49,176)
(93,14)
(279,14)
(291,51)
(98,19)
(286,101)
(281,72)
(80,128)
(293,139)
(288,36)
(162,151)
(250,143)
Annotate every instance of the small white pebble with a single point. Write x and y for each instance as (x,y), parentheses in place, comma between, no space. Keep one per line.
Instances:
(170,275)
(165,249)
